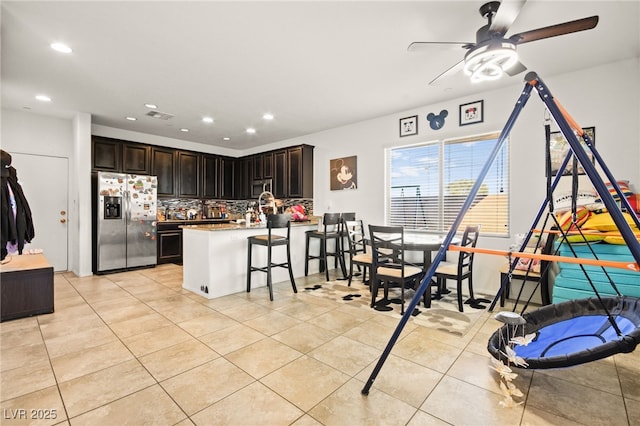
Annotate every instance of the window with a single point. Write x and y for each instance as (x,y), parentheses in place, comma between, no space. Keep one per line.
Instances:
(429,183)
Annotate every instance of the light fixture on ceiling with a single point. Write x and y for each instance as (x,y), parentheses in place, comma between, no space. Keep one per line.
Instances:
(489,61)
(251,130)
(43,98)
(207,119)
(226,138)
(151,106)
(60,47)
(184,129)
(267,116)
(130,118)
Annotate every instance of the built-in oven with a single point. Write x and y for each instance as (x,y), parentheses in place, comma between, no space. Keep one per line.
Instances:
(258,186)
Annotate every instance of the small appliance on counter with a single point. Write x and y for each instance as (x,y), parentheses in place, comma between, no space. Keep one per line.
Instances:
(126,221)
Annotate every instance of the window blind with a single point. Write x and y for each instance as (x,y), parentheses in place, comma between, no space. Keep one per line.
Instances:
(428,184)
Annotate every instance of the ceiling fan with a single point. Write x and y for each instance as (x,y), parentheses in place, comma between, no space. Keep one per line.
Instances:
(493,53)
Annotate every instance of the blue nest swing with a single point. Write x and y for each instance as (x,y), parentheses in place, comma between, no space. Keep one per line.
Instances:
(573,332)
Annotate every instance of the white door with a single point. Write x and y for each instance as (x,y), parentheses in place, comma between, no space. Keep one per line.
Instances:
(45,183)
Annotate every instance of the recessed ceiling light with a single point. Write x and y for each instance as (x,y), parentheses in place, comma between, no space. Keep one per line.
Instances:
(61,47)
(184,130)
(251,130)
(207,119)
(152,106)
(43,98)
(131,118)
(268,116)
(226,139)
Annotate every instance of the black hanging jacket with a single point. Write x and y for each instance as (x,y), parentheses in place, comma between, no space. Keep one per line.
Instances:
(18,230)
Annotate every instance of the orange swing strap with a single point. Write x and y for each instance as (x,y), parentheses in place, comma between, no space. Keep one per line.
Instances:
(551,258)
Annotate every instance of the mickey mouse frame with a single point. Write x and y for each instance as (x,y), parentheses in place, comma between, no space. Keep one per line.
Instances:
(472,113)
(409,126)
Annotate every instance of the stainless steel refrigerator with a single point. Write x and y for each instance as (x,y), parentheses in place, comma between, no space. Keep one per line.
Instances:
(126,222)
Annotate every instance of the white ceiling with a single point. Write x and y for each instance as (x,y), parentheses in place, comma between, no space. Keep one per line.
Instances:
(315,65)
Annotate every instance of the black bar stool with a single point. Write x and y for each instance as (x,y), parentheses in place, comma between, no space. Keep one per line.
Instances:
(274,221)
(330,231)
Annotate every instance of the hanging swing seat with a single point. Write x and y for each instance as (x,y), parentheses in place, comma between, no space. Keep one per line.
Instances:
(572,332)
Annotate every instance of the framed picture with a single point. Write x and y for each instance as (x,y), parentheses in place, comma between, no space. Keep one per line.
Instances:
(344,173)
(559,147)
(409,126)
(472,113)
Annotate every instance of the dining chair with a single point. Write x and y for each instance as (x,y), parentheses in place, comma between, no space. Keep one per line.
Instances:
(387,262)
(460,270)
(356,247)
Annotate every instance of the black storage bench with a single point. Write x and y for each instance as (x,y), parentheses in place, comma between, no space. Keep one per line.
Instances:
(26,287)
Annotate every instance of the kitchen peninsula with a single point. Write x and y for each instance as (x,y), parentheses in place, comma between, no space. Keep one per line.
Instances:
(215,257)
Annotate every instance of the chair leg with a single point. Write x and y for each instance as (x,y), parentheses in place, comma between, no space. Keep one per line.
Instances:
(269,282)
(249,269)
(324,258)
(306,256)
(460,307)
(340,256)
(426,297)
(374,289)
(350,272)
(293,281)
(471,296)
(439,284)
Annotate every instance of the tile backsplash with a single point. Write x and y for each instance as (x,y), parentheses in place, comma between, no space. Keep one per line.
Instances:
(178,208)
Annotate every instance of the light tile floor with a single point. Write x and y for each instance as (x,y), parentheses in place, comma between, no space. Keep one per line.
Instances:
(135,348)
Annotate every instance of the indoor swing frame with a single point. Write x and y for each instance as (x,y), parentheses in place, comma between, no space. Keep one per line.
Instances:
(567,126)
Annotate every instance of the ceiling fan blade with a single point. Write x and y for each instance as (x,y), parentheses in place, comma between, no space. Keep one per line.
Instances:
(447,73)
(421,45)
(516,69)
(507,13)
(555,30)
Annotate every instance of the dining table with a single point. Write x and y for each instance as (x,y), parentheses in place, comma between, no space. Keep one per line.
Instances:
(426,243)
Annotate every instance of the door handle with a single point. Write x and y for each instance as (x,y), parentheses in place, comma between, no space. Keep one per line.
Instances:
(63,220)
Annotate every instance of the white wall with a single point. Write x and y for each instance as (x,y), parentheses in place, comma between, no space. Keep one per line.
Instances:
(24,132)
(604,97)
(28,133)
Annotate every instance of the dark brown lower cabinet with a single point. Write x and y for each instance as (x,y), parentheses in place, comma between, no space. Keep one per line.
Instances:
(169,243)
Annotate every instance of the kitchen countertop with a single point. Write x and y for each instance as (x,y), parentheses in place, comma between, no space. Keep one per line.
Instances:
(234,226)
(195,220)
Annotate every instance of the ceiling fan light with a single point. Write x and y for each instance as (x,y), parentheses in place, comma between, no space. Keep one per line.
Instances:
(489,61)
(487,72)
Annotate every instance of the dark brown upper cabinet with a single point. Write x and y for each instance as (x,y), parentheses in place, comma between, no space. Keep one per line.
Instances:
(106,154)
(188,174)
(163,166)
(300,167)
(227,174)
(293,172)
(280,174)
(210,176)
(242,178)
(267,165)
(257,167)
(135,159)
